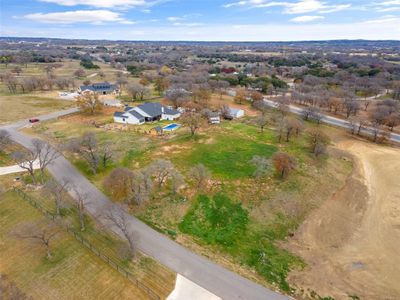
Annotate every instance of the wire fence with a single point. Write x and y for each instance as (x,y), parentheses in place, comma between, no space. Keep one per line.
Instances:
(111,262)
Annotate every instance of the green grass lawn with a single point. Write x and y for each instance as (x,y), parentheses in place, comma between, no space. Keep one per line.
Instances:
(228,156)
(275,208)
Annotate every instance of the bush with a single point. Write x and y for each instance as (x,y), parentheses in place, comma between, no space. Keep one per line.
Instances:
(216,221)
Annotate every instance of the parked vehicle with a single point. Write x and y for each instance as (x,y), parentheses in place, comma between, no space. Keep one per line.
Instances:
(34,120)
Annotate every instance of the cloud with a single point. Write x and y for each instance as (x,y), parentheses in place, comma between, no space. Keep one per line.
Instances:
(78,16)
(303,19)
(105,3)
(387,6)
(384,19)
(187,24)
(174,19)
(219,32)
(299,7)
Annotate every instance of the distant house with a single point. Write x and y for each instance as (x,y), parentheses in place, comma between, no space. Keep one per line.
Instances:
(147,112)
(214,118)
(103,88)
(112,103)
(235,112)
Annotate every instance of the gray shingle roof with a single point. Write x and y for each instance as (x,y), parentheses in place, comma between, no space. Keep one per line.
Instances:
(136,115)
(153,109)
(119,114)
(99,87)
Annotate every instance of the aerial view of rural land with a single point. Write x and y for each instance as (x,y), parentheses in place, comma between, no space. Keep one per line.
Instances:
(199,150)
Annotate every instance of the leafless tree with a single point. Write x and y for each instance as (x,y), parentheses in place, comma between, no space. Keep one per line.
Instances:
(87,148)
(177,180)
(118,217)
(201,175)
(58,192)
(41,231)
(161,169)
(46,155)
(82,202)
(318,141)
(192,120)
(262,121)
(80,73)
(26,160)
(138,91)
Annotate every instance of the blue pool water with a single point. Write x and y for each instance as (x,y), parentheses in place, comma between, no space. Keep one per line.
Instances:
(171,127)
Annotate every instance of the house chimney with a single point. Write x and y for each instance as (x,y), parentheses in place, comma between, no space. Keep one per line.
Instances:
(162,109)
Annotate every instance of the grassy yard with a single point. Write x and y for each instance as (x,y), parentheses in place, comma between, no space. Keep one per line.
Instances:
(73,273)
(15,107)
(275,208)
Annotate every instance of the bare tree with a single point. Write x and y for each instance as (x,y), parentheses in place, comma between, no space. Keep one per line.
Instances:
(161,169)
(318,141)
(58,192)
(80,73)
(45,155)
(177,180)
(40,231)
(81,204)
(192,120)
(117,216)
(201,175)
(138,91)
(262,121)
(26,160)
(10,291)
(87,148)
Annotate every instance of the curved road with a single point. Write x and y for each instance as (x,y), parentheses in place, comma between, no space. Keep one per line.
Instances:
(394,137)
(211,276)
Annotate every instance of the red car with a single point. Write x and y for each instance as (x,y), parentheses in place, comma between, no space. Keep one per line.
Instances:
(34,120)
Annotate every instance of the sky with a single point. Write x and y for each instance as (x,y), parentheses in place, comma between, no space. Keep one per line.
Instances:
(202,20)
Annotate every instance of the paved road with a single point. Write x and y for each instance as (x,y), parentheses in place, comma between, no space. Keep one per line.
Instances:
(209,275)
(332,120)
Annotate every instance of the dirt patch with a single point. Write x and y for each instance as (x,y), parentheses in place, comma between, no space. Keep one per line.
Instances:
(351,242)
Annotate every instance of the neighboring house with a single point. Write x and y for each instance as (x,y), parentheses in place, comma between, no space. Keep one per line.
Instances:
(214,118)
(103,88)
(235,112)
(112,103)
(147,112)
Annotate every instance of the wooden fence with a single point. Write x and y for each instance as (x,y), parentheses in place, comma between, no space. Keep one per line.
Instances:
(111,262)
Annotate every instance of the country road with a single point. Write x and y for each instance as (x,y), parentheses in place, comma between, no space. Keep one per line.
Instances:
(394,137)
(200,270)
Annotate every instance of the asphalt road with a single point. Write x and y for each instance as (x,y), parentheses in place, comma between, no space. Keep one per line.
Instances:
(211,276)
(332,120)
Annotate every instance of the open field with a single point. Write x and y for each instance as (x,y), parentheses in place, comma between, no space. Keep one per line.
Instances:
(275,208)
(21,106)
(353,237)
(73,273)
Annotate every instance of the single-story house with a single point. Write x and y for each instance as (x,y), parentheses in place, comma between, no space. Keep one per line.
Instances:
(103,88)
(235,112)
(147,112)
(112,103)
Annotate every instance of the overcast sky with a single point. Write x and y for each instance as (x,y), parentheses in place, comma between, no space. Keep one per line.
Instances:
(203,20)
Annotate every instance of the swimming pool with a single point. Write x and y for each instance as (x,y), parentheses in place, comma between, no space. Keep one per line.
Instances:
(171,127)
